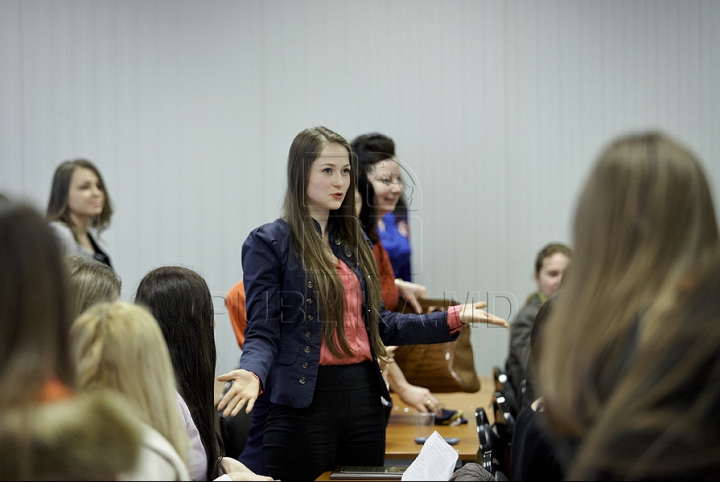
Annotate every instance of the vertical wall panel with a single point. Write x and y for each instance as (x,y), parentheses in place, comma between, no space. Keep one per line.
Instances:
(498,110)
(11,106)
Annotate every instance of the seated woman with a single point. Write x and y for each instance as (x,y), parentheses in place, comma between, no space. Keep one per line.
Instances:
(119,346)
(47,430)
(645,221)
(181,302)
(661,422)
(90,282)
(550,264)
(532,455)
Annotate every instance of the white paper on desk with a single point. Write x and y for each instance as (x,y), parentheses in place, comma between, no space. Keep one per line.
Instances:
(436,461)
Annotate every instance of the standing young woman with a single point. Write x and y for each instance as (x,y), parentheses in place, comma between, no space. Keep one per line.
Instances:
(79,201)
(316,324)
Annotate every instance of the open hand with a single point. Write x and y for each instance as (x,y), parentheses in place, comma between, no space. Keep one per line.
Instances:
(411,292)
(245,389)
(474,313)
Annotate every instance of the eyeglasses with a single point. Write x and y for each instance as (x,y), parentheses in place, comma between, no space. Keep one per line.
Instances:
(389,180)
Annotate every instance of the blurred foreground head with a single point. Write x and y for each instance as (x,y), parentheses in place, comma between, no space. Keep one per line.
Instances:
(645,221)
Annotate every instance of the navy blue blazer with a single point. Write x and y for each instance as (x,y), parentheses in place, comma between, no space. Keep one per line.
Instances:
(283,334)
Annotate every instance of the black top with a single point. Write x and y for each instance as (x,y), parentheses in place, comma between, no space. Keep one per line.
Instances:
(533,456)
(99,255)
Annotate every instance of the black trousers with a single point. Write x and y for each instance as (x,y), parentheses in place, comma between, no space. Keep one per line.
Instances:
(344,425)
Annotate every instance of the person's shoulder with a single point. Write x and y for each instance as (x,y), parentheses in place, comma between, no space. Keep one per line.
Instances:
(529,310)
(274,236)
(274,230)
(61,229)
(65,237)
(158,459)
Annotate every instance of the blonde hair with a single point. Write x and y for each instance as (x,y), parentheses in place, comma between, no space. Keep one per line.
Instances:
(90,282)
(92,436)
(120,346)
(645,219)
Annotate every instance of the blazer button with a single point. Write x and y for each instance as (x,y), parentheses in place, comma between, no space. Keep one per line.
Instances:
(309,283)
(307,349)
(302,380)
(348,254)
(309,301)
(337,242)
(305,364)
(310,317)
(307,334)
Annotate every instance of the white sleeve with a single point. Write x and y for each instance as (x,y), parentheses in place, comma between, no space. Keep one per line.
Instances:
(197,459)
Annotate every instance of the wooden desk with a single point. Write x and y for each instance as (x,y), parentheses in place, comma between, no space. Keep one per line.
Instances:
(400,433)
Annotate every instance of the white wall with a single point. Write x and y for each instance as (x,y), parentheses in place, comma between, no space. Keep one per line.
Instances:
(497,108)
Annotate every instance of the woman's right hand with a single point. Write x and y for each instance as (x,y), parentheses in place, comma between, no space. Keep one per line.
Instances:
(245,389)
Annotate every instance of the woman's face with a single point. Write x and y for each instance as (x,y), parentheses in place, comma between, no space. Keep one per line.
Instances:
(551,273)
(86,197)
(328,180)
(387,183)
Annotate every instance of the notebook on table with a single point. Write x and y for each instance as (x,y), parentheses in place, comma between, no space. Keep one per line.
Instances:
(367,472)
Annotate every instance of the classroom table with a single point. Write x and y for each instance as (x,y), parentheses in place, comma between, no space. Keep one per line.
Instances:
(400,433)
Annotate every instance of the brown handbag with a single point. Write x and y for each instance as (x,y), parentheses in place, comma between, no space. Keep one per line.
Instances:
(439,367)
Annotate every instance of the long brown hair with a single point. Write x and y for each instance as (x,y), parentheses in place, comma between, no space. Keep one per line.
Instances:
(34,307)
(308,243)
(644,220)
(57,208)
(662,420)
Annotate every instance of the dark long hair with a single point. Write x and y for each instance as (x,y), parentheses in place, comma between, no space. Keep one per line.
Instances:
(181,302)
(57,208)
(34,307)
(370,149)
(368,213)
(308,244)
